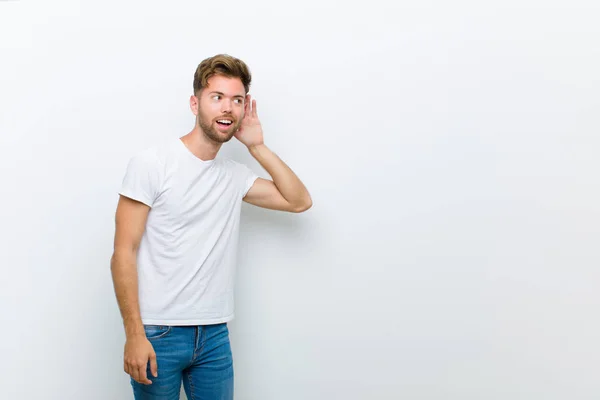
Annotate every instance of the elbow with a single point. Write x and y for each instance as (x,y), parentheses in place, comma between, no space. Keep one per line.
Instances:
(115,261)
(305,205)
(121,259)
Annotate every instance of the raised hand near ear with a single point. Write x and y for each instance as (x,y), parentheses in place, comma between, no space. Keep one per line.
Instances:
(250,132)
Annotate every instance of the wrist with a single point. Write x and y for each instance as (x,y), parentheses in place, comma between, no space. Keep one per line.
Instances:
(134,330)
(255,148)
(132,335)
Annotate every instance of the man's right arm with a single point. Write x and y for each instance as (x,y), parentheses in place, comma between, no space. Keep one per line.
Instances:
(130,223)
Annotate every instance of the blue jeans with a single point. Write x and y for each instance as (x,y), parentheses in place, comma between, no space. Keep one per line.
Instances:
(200,356)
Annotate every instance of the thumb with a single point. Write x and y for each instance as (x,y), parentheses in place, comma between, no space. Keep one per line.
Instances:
(153,365)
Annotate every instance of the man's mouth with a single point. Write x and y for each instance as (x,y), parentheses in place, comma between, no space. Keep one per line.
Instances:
(225,122)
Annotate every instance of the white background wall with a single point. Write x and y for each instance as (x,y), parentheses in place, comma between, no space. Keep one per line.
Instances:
(451,149)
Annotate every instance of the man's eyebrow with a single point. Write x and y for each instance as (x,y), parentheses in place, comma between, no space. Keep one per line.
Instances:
(223,94)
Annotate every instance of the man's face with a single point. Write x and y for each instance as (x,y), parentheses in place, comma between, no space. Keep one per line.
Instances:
(220,108)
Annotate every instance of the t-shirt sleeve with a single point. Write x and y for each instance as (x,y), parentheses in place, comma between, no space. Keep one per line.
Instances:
(141,181)
(248,179)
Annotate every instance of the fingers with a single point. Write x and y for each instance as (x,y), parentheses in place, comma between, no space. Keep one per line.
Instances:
(247,105)
(133,371)
(142,378)
(250,107)
(137,370)
(153,366)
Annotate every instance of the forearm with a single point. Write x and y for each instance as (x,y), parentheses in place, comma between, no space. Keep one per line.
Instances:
(125,281)
(288,184)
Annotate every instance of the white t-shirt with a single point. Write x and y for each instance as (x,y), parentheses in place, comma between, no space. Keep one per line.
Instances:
(187,256)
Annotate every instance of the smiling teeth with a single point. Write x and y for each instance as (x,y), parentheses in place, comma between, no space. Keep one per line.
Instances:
(224,121)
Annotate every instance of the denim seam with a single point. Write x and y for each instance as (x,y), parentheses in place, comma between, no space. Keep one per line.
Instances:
(161,335)
(190,380)
(197,338)
(202,342)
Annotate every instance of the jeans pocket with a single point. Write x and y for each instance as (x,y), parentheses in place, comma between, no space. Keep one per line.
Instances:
(156,331)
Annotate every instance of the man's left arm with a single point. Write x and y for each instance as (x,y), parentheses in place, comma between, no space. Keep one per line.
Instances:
(285,192)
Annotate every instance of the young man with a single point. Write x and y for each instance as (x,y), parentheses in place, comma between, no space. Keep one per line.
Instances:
(175,245)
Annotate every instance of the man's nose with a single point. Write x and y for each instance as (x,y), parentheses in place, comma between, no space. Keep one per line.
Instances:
(226,105)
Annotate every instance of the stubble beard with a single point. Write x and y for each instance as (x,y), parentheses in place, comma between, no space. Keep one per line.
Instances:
(212,134)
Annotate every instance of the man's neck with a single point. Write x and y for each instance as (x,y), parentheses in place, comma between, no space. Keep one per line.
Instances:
(201,146)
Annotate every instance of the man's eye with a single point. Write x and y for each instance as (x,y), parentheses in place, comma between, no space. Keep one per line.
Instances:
(216,97)
(239,101)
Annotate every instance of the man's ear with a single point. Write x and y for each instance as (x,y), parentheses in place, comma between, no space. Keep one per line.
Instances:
(194,104)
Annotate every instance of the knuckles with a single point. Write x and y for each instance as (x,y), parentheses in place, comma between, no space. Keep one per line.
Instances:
(135,363)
